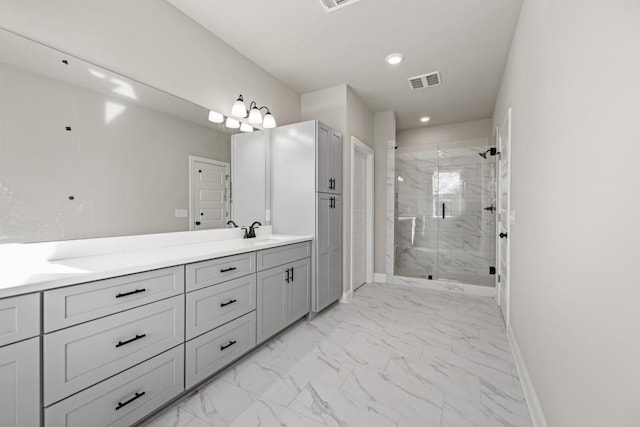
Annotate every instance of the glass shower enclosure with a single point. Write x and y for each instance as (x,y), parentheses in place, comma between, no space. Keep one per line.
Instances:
(445,217)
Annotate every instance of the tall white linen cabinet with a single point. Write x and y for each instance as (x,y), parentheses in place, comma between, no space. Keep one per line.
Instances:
(305,173)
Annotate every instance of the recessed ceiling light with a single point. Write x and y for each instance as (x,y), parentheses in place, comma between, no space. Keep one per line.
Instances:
(394,58)
(425,119)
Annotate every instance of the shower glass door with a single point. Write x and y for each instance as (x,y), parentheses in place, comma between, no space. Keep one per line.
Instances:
(445,224)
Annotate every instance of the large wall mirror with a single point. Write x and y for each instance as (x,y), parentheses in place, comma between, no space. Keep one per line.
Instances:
(86,153)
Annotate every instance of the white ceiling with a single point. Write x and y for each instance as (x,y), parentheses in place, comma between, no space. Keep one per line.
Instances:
(310,49)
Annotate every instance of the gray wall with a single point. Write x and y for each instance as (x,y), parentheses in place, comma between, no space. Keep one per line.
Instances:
(572,81)
(445,133)
(125,165)
(384,130)
(152,42)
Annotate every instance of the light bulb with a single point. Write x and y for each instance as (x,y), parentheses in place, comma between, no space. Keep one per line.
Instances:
(232,123)
(215,117)
(246,128)
(255,117)
(239,109)
(269,121)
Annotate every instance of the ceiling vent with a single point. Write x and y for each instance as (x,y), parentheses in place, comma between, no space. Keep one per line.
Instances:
(425,80)
(332,5)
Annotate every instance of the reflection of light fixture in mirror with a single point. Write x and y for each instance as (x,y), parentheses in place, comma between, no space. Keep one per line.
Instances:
(232,123)
(269,121)
(255,116)
(239,108)
(246,128)
(401,179)
(215,117)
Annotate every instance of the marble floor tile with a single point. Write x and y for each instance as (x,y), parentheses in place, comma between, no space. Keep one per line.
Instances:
(420,400)
(334,407)
(263,413)
(265,381)
(176,417)
(395,356)
(218,402)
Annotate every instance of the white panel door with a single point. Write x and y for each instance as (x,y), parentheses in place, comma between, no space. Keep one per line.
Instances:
(504,214)
(209,194)
(359,237)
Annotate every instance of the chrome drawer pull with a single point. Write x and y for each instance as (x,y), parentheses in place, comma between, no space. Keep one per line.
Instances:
(126,294)
(224,304)
(137,337)
(224,347)
(225,270)
(137,396)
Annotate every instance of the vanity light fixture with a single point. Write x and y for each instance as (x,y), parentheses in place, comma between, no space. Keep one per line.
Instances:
(215,117)
(239,109)
(394,58)
(246,128)
(232,123)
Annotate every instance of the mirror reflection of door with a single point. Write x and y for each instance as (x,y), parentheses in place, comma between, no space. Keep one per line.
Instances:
(209,195)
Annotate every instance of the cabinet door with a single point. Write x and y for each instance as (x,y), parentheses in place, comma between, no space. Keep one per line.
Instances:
(272,307)
(321,294)
(335,250)
(299,289)
(335,140)
(20,379)
(323,159)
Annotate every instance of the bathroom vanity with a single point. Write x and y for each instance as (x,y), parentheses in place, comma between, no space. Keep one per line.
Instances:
(120,334)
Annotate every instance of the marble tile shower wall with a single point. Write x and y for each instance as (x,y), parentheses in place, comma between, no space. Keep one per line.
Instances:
(455,180)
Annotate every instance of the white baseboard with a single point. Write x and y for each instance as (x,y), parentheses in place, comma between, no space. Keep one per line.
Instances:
(346,297)
(535,409)
(379,278)
(440,285)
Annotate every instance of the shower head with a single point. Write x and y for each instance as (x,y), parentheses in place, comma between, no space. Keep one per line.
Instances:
(491,151)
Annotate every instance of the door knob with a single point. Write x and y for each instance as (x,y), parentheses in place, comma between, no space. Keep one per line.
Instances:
(197,222)
(503,235)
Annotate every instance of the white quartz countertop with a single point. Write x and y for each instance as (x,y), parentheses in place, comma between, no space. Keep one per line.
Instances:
(22,275)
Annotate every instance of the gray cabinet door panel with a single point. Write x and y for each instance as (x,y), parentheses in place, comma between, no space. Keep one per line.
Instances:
(208,273)
(323,159)
(212,351)
(83,355)
(299,290)
(150,384)
(335,244)
(272,304)
(20,384)
(336,161)
(19,318)
(216,305)
(80,303)
(324,274)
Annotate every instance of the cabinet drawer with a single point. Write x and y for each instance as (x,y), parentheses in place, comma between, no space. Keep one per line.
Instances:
(216,305)
(277,256)
(124,399)
(77,304)
(19,318)
(80,356)
(207,273)
(20,382)
(212,351)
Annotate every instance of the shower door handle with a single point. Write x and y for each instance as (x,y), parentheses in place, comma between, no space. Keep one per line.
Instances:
(443,205)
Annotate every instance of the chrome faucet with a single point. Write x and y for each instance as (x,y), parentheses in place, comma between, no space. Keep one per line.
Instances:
(250,233)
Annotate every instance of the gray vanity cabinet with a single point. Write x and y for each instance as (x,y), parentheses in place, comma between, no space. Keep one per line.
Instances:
(284,292)
(20,384)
